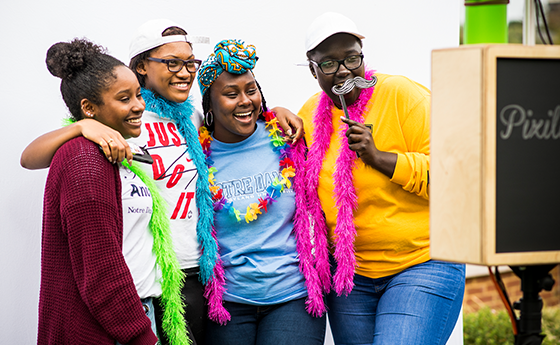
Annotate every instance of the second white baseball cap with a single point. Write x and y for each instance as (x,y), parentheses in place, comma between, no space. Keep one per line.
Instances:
(326,25)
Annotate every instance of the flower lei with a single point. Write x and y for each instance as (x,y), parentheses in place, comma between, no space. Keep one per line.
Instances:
(307,242)
(277,186)
(344,191)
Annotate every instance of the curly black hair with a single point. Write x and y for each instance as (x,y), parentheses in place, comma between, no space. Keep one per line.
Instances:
(85,69)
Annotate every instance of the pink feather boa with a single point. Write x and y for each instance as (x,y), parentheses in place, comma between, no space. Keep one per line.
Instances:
(214,291)
(306,242)
(307,239)
(344,191)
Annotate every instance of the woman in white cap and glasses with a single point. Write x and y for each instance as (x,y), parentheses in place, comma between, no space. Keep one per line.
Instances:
(163,61)
(373,185)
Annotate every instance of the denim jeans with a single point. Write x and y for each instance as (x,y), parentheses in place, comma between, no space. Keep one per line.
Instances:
(280,324)
(419,305)
(149,308)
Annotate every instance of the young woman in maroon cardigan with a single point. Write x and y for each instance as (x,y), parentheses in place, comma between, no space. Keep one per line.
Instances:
(88,293)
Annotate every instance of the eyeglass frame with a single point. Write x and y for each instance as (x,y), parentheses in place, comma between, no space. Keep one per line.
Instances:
(340,62)
(185,62)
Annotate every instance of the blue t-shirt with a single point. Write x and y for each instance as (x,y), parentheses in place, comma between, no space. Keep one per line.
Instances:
(260,258)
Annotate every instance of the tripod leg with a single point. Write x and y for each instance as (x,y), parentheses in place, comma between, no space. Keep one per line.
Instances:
(530,306)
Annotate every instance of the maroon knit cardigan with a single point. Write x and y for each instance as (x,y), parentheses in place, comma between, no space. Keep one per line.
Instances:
(87,292)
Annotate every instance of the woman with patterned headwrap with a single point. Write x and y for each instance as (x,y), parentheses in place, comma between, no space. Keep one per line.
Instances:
(261,218)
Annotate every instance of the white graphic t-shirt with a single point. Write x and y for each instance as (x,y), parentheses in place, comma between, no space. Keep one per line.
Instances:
(137,237)
(175,176)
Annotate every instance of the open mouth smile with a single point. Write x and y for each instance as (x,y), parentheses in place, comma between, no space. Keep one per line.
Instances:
(181,86)
(135,122)
(243,117)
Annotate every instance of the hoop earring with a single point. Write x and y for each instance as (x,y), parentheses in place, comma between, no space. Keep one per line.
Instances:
(262,110)
(209,119)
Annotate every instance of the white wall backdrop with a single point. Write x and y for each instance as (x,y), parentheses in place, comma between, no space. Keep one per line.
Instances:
(399,38)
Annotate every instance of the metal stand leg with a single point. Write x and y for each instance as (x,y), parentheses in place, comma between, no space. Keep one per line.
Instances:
(533,280)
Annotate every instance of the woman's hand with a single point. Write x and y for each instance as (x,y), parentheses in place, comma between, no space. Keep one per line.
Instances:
(289,121)
(361,141)
(112,143)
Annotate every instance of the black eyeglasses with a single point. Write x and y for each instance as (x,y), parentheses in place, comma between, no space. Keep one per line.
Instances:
(175,65)
(352,62)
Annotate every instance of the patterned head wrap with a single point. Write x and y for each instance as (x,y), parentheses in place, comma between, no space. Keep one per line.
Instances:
(232,56)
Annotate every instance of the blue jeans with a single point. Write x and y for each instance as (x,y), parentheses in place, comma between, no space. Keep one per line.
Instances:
(419,305)
(149,308)
(280,324)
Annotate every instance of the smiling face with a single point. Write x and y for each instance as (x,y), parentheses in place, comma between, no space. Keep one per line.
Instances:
(174,86)
(235,101)
(122,104)
(337,47)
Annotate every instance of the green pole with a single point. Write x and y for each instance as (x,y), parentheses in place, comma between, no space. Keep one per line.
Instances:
(485,22)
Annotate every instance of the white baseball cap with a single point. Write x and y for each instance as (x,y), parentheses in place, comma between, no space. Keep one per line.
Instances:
(149,36)
(326,25)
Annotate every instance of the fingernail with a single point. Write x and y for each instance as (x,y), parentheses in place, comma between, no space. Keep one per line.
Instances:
(289,132)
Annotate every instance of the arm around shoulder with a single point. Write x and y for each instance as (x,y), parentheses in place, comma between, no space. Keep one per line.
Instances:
(39,153)
(289,120)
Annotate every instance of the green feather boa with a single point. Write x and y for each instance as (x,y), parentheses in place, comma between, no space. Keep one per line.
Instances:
(172,276)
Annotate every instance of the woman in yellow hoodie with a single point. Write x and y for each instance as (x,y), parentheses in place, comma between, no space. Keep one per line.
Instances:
(373,186)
